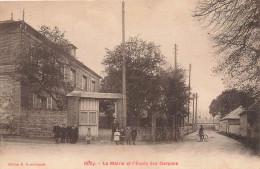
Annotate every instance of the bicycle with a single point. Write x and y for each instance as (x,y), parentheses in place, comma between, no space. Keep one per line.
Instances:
(203,138)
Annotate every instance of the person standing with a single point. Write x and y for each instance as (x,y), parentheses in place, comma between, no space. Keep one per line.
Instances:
(114,127)
(88,137)
(134,135)
(117,137)
(69,128)
(128,136)
(63,132)
(74,134)
(56,131)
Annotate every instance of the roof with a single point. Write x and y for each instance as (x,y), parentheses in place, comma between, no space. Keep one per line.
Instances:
(44,39)
(234,114)
(95,95)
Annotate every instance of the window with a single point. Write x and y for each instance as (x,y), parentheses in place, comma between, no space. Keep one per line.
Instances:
(42,102)
(39,102)
(88,118)
(85,83)
(92,117)
(73,76)
(93,84)
(49,103)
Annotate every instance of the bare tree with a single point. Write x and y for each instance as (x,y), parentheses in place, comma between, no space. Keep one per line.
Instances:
(235,29)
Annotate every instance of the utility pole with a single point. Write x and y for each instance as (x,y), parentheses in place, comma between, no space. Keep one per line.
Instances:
(175,120)
(124,66)
(193,98)
(196,109)
(175,56)
(189,99)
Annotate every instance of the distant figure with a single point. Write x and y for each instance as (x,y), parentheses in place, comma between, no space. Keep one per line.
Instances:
(128,136)
(117,137)
(88,137)
(201,133)
(122,136)
(134,135)
(74,134)
(56,131)
(63,133)
(68,130)
(114,127)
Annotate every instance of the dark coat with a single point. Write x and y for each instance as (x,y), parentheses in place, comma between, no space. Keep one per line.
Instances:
(63,132)
(74,132)
(114,125)
(134,134)
(56,131)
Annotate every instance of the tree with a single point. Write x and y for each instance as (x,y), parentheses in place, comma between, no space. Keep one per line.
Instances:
(235,29)
(152,88)
(143,66)
(41,66)
(229,100)
(175,92)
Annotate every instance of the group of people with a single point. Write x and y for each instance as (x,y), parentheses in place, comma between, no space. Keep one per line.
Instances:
(121,135)
(65,134)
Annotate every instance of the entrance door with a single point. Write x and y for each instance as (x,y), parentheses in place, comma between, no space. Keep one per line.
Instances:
(88,117)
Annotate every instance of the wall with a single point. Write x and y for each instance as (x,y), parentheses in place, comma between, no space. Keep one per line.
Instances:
(9,105)
(39,123)
(243,125)
(234,129)
(223,126)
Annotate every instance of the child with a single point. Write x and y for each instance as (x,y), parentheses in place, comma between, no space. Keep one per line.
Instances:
(88,138)
(128,135)
(116,137)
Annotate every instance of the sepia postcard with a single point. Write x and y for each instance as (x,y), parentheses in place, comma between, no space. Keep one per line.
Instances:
(121,84)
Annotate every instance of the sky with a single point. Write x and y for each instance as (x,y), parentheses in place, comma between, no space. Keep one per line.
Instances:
(93,26)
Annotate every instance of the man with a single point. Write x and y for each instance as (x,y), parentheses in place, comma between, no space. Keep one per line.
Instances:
(201,133)
(69,129)
(63,133)
(134,135)
(56,131)
(74,134)
(114,126)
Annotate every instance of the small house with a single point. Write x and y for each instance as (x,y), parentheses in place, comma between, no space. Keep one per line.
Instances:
(231,122)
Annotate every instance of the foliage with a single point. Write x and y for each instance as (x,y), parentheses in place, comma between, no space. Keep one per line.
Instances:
(175,92)
(41,66)
(147,83)
(229,100)
(235,29)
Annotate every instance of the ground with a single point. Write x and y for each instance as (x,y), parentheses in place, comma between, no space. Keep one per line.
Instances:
(219,152)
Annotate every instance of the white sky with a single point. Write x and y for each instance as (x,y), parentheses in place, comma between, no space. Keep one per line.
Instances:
(93,26)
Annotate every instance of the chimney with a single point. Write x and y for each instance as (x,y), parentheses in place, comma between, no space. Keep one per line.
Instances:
(72,50)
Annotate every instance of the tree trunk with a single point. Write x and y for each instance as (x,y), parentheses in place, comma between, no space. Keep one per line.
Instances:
(153,136)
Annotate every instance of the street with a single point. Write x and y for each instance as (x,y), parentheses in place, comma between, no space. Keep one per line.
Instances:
(219,152)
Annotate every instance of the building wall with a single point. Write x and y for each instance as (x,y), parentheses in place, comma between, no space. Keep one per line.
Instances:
(9,105)
(223,126)
(243,125)
(31,121)
(39,123)
(234,129)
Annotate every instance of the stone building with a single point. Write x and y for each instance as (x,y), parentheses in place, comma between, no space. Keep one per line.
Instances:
(23,112)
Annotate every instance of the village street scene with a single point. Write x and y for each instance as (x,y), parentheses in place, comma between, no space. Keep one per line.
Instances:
(130,84)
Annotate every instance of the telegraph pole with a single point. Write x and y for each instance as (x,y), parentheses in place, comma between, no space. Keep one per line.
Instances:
(189,99)
(196,109)
(175,56)
(193,98)
(175,72)
(124,66)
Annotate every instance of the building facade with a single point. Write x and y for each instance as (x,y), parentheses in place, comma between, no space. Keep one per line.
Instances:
(22,110)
